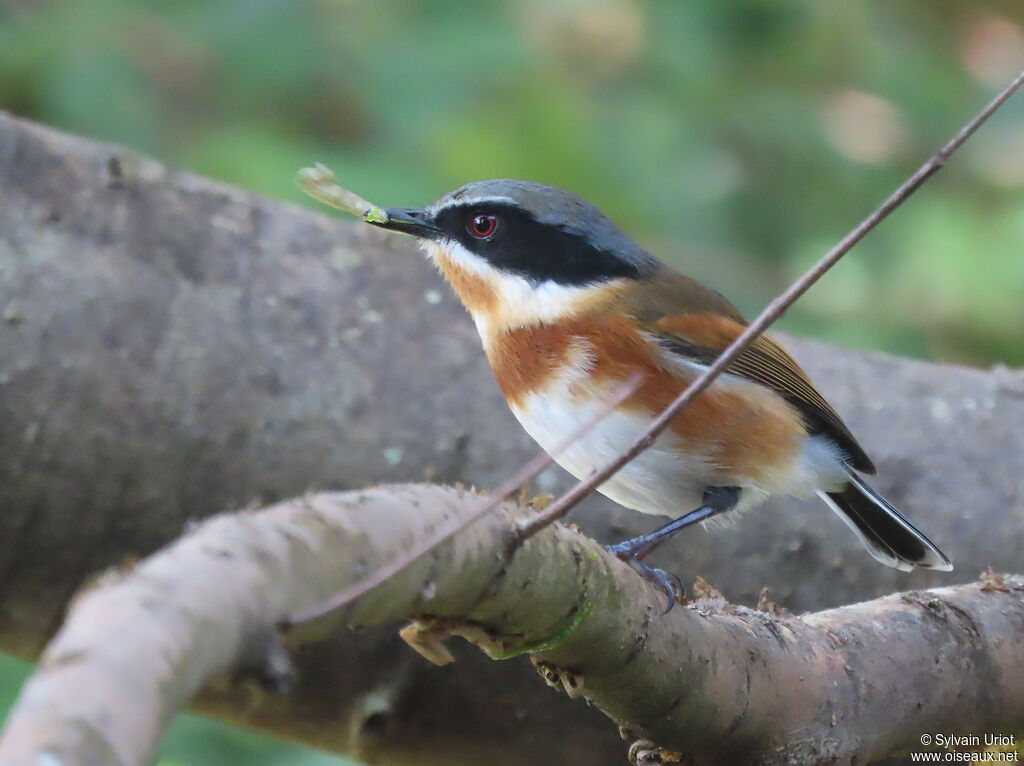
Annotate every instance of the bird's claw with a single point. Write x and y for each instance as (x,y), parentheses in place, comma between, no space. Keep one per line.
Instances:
(668,581)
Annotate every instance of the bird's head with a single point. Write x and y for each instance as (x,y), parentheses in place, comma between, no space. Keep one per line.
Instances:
(521,254)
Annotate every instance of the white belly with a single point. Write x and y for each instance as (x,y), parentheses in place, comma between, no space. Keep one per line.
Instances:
(660,480)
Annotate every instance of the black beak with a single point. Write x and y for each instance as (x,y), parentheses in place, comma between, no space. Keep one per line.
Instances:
(418,223)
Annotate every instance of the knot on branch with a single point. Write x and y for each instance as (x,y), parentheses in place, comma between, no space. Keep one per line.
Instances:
(559,678)
(643,752)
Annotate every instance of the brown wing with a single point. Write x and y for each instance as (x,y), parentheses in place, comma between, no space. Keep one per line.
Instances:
(698,323)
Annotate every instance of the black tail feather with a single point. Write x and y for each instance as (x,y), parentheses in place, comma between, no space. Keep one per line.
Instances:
(885,532)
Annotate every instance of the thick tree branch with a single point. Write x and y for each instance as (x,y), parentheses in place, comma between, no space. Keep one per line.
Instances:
(716,682)
(171,347)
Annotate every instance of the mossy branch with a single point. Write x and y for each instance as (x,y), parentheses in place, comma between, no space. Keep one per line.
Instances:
(716,682)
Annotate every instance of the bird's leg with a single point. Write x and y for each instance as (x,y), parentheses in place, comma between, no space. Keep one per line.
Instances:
(716,500)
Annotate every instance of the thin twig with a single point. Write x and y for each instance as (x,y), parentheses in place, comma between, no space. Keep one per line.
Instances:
(422,547)
(775,309)
(318,183)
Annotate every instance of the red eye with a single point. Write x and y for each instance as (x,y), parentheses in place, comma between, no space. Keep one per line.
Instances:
(482,225)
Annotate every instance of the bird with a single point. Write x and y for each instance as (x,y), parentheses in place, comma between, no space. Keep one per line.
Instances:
(568,307)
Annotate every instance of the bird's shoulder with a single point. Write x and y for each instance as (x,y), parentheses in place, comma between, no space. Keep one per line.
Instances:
(698,323)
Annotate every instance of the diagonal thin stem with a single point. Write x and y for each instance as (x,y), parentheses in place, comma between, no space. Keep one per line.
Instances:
(773,311)
(422,547)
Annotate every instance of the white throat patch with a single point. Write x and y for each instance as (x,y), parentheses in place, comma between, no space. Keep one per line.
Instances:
(521,303)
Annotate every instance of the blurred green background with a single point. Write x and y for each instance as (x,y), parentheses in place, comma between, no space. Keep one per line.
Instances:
(737,139)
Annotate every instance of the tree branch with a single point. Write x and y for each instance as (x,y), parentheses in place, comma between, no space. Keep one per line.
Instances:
(716,682)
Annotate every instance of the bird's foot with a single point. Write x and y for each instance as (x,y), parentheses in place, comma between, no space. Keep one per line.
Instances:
(667,581)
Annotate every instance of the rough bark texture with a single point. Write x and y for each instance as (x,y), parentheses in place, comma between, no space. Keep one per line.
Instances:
(717,683)
(171,347)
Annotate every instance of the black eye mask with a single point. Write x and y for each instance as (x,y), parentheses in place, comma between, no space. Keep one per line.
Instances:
(539,252)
